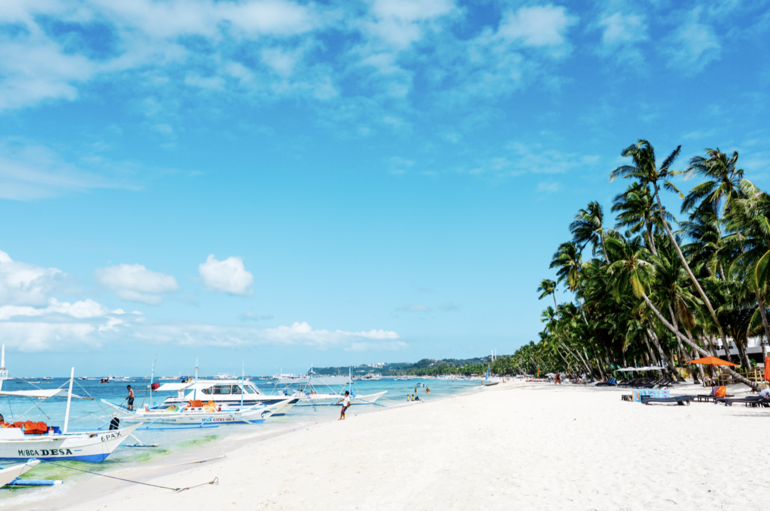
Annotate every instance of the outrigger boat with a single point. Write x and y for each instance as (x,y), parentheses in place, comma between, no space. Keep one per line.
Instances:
(22,441)
(8,475)
(308,394)
(196,412)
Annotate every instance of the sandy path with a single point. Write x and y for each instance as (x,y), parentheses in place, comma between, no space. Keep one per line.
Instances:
(505,447)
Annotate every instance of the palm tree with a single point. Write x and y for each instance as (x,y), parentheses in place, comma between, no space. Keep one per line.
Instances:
(633,273)
(723,181)
(588,228)
(547,287)
(569,262)
(645,169)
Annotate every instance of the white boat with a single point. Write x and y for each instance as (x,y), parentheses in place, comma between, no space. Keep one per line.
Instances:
(8,475)
(371,377)
(46,378)
(225,376)
(221,392)
(308,393)
(209,413)
(55,444)
(83,378)
(403,378)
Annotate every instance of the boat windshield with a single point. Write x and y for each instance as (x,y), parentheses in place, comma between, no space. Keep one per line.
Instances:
(218,390)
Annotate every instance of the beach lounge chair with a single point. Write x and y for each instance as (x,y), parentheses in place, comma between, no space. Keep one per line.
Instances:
(680,400)
(748,401)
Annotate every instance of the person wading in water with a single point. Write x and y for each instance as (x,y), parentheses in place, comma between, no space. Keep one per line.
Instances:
(345,405)
(130,398)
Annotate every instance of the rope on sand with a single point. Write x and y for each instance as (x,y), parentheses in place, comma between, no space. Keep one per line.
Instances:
(215,481)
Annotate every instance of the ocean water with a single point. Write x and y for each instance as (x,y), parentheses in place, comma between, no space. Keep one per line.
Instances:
(91,414)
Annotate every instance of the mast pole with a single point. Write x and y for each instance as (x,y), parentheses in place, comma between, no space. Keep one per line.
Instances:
(195,387)
(69,401)
(242,386)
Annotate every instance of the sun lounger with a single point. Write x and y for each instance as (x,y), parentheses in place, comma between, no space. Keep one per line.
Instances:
(680,400)
(708,398)
(748,401)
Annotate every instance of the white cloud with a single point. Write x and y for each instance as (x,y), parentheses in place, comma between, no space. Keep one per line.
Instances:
(622,28)
(31,171)
(537,26)
(134,282)
(400,23)
(298,334)
(692,46)
(27,284)
(228,276)
(414,308)
(81,310)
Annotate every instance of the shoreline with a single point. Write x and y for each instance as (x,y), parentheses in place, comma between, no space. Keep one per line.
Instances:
(511,446)
(80,492)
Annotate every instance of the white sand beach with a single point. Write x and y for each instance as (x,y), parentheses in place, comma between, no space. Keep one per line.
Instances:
(513,446)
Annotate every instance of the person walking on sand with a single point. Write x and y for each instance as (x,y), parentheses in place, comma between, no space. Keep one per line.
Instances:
(130,398)
(345,405)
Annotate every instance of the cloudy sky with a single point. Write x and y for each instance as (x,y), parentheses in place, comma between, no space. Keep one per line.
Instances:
(282,183)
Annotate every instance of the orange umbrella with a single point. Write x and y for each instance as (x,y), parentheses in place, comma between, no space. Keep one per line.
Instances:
(767,368)
(712,361)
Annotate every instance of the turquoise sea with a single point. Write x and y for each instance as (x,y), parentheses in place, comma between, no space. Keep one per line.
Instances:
(91,414)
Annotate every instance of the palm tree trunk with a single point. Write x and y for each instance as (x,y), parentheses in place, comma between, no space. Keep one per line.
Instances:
(555,307)
(694,346)
(667,365)
(765,324)
(650,238)
(687,268)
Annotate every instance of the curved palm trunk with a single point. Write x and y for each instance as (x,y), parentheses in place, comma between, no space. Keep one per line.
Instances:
(650,239)
(689,271)
(667,364)
(765,324)
(694,346)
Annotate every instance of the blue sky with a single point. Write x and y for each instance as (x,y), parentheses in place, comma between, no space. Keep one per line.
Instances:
(283,183)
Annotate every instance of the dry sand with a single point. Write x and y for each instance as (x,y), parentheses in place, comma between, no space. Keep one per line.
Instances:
(512,446)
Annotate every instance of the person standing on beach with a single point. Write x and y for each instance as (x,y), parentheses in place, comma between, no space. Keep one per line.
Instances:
(345,405)
(130,398)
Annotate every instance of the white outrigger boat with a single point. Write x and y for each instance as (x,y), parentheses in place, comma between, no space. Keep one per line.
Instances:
(8,475)
(202,413)
(308,395)
(54,444)
(212,412)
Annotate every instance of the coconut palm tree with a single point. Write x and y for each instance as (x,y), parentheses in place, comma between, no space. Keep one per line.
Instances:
(547,287)
(646,171)
(588,228)
(569,261)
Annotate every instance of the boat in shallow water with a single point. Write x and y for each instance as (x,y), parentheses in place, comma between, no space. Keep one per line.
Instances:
(9,474)
(203,413)
(22,441)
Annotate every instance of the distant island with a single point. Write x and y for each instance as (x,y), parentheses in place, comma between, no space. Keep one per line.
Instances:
(425,367)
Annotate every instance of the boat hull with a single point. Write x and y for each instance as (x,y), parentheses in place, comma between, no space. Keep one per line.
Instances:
(8,475)
(333,399)
(93,447)
(197,416)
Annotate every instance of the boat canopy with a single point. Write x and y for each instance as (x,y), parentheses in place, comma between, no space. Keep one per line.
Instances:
(40,393)
(199,385)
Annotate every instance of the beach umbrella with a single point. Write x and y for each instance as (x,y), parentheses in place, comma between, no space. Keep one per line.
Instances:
(711,361)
